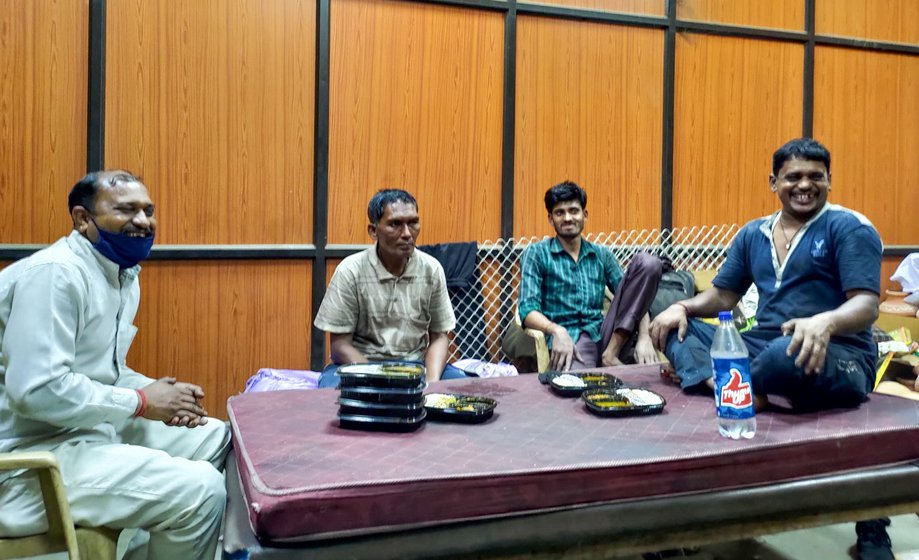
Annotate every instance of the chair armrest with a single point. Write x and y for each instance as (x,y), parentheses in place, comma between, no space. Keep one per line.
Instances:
(54,496)
(542,346)
(28,460)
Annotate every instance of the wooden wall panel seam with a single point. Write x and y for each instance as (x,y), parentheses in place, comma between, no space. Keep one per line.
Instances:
(667,120)
(807,126)
(321,177)
(508,124)
(95,126)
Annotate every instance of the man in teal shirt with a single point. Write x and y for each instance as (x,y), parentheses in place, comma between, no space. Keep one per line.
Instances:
(562,290)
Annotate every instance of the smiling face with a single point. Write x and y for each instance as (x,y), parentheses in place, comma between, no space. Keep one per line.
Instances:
(120,206)
(396,232)
(567,217)
(802,186)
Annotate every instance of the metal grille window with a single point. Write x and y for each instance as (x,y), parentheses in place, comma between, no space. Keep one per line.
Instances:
(485,310)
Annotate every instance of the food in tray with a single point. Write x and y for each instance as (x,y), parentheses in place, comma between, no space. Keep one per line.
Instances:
(569,380)
(574,383)
(461,403)
(395,375)
(402,369)
(623,401)
(625,397)
(439,400)
(607,400)
(382,369)
(459,408)
(640,397)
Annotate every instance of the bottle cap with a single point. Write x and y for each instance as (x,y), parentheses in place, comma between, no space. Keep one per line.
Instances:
(725,316)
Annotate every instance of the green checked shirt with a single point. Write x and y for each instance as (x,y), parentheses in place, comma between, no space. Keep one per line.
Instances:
(568,293)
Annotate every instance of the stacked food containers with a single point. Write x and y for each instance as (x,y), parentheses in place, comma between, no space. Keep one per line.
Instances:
(382,396)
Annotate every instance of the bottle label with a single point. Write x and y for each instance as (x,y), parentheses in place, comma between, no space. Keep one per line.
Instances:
(733,390)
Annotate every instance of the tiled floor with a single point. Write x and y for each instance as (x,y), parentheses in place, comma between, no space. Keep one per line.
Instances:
(823,543)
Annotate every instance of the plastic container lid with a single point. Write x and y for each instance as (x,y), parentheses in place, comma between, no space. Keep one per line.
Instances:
(384,394)
(725,316)
(380,423)
(384,374)
(355,406)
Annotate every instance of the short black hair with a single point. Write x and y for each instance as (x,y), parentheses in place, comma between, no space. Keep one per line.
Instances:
(563,192)
(807,149)
(384,198)
(85,190)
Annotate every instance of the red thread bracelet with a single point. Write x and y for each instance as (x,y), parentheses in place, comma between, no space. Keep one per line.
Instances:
(142,403)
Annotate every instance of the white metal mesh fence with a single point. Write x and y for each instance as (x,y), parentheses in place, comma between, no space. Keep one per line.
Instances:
(485,310)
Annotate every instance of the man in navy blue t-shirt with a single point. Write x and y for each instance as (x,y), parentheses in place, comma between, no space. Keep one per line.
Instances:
(817,268)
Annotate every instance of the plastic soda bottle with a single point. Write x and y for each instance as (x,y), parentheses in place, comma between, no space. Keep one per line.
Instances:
(733,389)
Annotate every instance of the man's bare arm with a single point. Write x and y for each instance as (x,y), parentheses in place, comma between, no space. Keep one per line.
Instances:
(435,359)
(343,350)
(563,348)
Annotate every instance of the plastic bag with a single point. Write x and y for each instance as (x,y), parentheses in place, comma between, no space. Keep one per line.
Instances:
(485,369)
(907,274)
(268,379)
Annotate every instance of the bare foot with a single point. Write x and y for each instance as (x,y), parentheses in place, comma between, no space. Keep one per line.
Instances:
(669,374)
(610,361)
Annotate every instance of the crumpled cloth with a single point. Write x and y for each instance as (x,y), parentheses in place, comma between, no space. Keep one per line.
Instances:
(268,379)
(485,369)
(907,275)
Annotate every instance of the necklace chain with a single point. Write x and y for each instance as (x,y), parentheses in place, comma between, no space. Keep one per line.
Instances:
(785,234)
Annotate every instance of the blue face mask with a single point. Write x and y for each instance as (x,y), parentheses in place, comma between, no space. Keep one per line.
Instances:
(124,250)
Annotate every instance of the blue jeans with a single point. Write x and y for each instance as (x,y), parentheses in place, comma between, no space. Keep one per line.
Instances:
(329,378)
(847,376)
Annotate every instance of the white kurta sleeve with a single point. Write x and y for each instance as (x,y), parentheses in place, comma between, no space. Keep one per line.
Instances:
(131,379)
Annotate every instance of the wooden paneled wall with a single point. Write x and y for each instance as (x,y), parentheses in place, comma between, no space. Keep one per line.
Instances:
(213,103)
(599,129)
(43,90)
(415,103)
(218,322)
(879,20)
(649,7)
(780,14)
(867,111)
(737,100)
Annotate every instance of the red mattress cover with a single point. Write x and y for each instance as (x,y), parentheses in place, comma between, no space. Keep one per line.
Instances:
(303,477)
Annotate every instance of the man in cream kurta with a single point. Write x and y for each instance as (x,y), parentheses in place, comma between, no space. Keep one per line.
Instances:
(127,455)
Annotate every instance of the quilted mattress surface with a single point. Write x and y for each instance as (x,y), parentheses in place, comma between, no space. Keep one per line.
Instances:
(305,478)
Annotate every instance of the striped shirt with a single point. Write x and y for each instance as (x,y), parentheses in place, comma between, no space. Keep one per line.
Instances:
(389,316)
(568,293)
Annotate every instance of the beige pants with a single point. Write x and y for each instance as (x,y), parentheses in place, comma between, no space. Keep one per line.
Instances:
(165,480)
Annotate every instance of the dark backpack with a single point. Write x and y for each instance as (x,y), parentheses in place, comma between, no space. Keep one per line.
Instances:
(675,285)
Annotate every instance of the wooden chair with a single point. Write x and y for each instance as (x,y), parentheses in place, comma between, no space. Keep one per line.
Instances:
(543,355)
(61,536)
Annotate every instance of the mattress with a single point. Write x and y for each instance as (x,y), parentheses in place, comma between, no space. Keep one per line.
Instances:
(304,478)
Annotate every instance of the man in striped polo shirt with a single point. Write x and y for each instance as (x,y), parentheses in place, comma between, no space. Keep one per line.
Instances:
(562,291)
(390,301)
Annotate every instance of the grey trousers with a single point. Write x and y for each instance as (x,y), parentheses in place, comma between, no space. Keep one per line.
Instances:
(631,302)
